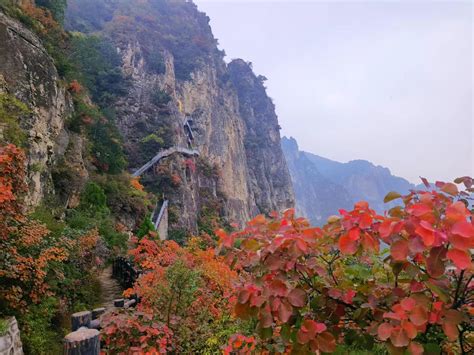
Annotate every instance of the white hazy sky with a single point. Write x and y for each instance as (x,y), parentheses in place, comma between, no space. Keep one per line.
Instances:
(386,81)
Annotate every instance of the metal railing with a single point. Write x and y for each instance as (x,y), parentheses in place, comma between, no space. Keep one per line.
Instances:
(157,216)
(163,154)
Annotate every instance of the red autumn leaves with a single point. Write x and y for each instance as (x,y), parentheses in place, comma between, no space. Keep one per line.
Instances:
(315,334)
(299,285)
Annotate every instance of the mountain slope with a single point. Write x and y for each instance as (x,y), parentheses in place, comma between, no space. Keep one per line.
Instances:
(317,197)
(313,176)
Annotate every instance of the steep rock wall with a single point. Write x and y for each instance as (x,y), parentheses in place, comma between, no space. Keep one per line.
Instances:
(28,73)
(168,51)
(269,179)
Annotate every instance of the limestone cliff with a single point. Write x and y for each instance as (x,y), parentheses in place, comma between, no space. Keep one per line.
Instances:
(28,74)
(179,93)
(178,74)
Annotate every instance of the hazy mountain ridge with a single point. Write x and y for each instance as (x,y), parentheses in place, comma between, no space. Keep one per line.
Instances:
(322,186)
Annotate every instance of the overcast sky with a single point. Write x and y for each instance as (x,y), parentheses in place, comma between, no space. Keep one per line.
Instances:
(386,81)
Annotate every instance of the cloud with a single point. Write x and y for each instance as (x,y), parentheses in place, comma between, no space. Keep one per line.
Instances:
(390,82)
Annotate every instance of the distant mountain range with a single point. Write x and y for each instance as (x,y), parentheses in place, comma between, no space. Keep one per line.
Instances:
(323,186)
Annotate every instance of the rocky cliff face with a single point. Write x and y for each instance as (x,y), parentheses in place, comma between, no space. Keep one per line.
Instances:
(269,176)
(28,74)
(177,74)
(176,77)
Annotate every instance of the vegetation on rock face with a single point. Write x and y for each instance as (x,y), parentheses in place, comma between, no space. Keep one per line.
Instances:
(173,26)
(57,8)
(11,111)
(98,67)
(41,272)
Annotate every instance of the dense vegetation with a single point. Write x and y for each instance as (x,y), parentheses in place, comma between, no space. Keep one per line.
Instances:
(397,283)
(51,257)
(46,267)
(159,25)
(363,283)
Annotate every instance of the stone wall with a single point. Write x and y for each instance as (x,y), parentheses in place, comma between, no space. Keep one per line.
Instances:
(10,343)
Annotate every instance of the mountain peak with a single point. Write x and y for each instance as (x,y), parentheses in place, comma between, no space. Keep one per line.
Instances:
(313,176)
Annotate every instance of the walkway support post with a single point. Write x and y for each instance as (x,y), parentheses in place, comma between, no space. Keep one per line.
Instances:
(83,341)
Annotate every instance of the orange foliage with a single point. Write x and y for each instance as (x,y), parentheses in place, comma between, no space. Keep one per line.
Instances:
(43,16)
(12,187)
(29,257)
(27,250)
(160,296)
(135,182)
(75,87)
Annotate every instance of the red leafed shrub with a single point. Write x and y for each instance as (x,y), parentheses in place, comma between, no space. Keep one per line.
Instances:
(31,258)
(176,180)
(135,182)
(75,87)
(12,187)
(240,344)
(129,332)
(395,279)
(187,291)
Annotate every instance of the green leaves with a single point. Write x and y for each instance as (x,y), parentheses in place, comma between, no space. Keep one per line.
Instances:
(391,196)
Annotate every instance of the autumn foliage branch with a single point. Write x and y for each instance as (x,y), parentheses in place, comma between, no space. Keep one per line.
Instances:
(392,279)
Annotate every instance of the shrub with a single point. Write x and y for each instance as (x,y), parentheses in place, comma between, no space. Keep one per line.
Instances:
(93,199)
(57,8)
(128,332)
(186,290)
(3,327)
(122,197)
(37,331)
(154,60)
(98,67)
(146,227)
(178,235)
(11,113)
(160,98)
(311,288)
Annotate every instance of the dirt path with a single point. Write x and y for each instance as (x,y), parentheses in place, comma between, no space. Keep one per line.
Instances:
(110,288)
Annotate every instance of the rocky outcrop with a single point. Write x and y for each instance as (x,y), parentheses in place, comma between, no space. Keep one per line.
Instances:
(176,74)
(28,73)
(10,342)
(269,179)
